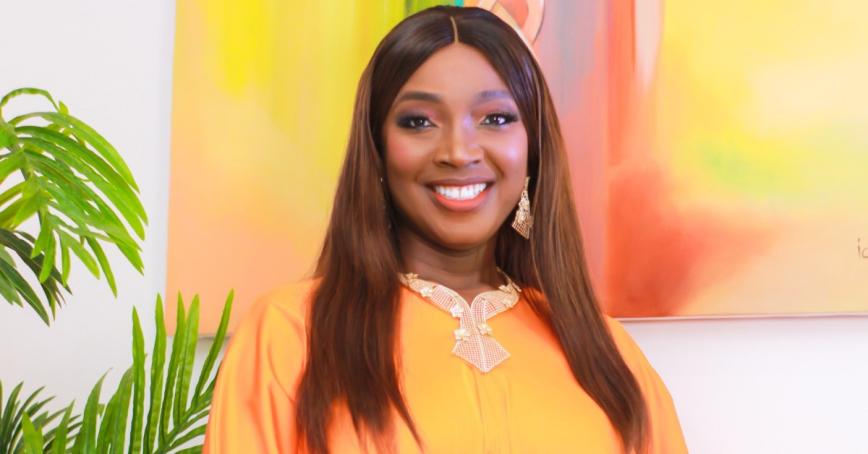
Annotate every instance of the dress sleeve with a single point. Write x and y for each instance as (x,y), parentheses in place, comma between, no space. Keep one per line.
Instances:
(253,405)
(665,435)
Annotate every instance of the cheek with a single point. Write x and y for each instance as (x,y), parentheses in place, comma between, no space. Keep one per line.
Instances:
(402,157)
(510,155)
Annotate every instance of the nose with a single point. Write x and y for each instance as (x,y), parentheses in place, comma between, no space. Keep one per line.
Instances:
(459,147)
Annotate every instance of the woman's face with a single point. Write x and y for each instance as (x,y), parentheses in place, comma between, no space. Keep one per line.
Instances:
(456,149)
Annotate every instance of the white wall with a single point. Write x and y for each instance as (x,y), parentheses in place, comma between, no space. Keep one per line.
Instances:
(741,386)
(797,385)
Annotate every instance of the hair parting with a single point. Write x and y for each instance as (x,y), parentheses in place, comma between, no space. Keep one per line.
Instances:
(454,29)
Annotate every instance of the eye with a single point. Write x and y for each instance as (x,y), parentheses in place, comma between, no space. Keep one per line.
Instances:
(499,119)
(416,122)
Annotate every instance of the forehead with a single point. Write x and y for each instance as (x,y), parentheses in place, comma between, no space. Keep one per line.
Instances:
(457,71)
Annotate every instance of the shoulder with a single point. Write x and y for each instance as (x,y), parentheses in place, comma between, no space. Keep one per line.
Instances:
(255,390)
(281,312)
(665,432)
(286,305)
(270,340)
(626,344)
(632,353)
(649,380)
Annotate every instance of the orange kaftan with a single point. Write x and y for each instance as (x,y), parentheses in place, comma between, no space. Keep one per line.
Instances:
(530,403)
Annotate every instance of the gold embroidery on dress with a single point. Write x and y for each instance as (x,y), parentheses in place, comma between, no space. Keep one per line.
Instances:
(473,337)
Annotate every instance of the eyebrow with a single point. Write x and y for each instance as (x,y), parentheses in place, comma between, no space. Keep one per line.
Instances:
(432,97)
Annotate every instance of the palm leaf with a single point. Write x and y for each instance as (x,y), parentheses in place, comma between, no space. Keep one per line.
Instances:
(213,352)
(22,245)
(105,424)
(158,358)
(119,428)
(188,353)
(60,434)
(138,385)
(179,401)
(33,440)
(80,190)
(8,425)
(85,440)
(24,289)
(13,437)
(176,412)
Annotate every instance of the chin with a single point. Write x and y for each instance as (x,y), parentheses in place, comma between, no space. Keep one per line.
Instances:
(457,240)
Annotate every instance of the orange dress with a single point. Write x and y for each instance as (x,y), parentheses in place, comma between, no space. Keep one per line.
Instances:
(529,403)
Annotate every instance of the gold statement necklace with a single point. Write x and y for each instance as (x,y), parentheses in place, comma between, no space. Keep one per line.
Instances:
(473,338)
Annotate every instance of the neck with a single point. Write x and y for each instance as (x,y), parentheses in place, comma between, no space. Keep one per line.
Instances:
(466,271)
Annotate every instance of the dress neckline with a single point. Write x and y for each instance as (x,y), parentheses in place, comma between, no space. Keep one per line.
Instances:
(507,287)
(474,342)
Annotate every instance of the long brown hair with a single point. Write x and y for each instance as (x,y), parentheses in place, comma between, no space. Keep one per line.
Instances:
(352,327)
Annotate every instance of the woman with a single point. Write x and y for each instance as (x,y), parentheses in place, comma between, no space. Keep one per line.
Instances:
(453,227)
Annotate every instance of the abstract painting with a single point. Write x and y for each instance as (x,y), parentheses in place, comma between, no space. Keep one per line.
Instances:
(718,149)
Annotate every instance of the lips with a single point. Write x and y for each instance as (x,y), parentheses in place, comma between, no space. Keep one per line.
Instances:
(460,195)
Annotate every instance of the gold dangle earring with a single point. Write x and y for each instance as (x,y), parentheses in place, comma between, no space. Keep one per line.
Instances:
(523,220)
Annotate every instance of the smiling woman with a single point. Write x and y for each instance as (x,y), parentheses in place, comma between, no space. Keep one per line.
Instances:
(454,133)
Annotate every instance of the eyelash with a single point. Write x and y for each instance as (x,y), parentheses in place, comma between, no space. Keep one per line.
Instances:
(408,121)
(507,118)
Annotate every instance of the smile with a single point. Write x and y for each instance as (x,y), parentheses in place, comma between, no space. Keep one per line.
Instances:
(470,191)
(464,198)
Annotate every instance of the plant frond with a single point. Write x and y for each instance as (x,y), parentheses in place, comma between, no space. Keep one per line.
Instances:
(79,189)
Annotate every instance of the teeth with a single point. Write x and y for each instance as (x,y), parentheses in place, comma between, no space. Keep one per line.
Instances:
(460,192)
